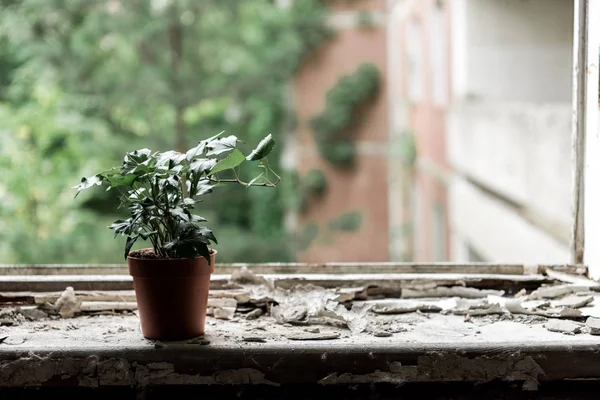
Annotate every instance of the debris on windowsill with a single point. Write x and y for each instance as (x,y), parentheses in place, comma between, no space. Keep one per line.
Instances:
(593,324)
(306,311)
(564,326)
(68,304)
(314,336)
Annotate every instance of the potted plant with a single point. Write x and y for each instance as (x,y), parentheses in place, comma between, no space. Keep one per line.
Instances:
(160,191)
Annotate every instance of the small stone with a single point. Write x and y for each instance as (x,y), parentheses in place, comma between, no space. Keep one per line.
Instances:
(204,342)
(313,330)
(254,314)
(6,322)
(382,334)
(594,325)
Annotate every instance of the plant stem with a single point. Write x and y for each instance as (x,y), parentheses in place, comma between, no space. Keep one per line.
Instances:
(237,180)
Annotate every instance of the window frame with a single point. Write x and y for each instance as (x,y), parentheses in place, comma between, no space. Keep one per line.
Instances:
(585,199)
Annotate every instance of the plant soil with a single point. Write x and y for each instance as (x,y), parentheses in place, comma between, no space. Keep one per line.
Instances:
(144,253)
(149,254)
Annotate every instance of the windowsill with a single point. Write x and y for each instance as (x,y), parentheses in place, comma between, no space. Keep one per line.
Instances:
(108,349)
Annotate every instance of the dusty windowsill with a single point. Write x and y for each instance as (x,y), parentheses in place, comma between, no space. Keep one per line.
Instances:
(459,333)
(108,350)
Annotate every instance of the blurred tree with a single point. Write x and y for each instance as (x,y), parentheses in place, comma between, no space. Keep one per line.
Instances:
(158,74)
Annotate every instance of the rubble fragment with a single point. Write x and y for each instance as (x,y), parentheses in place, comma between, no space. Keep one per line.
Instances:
(563,326)
(255,339)
(568,312)
(453,291)
(593,325)
(348,294)
(32,314)
(68,304)
(221,308)
(573,301)
(223,312)
(254,314)
(354,318)
(402,307)
(312,336)
(552,292)
(379,333)
(289,314)
(492,309)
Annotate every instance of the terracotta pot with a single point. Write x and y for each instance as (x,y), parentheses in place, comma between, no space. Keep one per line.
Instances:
(172,295)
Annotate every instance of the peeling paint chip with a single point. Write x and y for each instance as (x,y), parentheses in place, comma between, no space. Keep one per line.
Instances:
(320,336)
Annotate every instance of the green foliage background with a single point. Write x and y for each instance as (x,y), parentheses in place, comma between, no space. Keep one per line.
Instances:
(82,82)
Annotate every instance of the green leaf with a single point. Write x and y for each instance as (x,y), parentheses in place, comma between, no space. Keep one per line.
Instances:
(199,149)
(263,149)
(130,241)
(231,161)
(203,188)
(206,232)
(203,165)
(221,145)
(195,151)
(197,218)
(170,156)
(190,242)
(123,227)
(87,183)
(180,213)
(121,180)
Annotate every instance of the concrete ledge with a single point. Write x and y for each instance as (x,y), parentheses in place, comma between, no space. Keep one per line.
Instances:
(323,363)
(109,351)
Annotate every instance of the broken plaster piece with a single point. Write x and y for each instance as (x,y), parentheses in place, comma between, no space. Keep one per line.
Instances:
(355,318)
(573,301)
(68,304)
(402,307)
(562,326)
(289,314)
(492,309)
(349,294)
(313,336)
(594,325)
(253,338)
(552,292)
(254,314)
(223,312)
(454,291)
